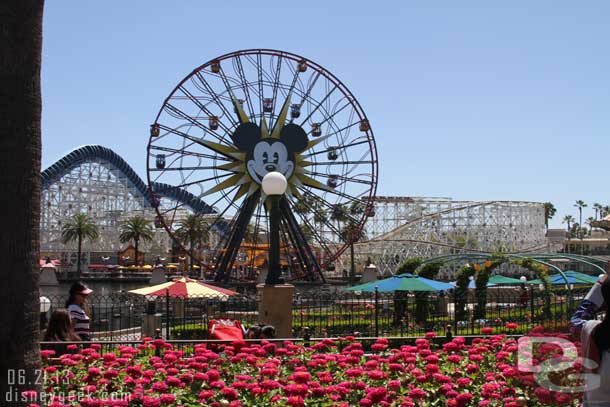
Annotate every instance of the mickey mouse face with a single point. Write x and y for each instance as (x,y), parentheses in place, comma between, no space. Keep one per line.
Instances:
(270,154)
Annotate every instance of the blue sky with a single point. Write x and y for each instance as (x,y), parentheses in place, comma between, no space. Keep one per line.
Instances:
(473,100)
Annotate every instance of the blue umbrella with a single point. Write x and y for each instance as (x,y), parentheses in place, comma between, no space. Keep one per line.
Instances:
(471,284)
(557,279)
(403,282)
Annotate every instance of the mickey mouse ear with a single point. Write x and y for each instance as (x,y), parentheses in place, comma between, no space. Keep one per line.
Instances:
(294,137)
(246,135)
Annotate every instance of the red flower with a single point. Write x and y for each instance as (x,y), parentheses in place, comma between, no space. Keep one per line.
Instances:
(417,393)
(295,401)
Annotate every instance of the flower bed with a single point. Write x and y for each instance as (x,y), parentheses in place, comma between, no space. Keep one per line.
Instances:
(329,373)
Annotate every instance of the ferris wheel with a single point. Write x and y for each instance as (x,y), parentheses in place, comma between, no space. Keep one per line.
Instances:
(244,114)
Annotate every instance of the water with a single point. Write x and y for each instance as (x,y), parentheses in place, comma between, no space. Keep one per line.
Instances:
(100,288)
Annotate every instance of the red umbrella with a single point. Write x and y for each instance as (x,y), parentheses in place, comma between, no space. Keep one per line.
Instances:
(186,288)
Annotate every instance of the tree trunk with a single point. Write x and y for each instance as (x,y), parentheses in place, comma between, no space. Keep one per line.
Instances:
(79,253)
(137,244)
(20,109)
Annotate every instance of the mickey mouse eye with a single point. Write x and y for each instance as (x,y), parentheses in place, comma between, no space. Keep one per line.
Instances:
(265,157)
(276,157)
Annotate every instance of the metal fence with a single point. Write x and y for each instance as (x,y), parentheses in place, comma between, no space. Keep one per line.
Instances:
(124,317)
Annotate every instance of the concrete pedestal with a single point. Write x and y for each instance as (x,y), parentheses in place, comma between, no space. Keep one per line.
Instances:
(275,307)
(158,276)
(48,277)
(150,322)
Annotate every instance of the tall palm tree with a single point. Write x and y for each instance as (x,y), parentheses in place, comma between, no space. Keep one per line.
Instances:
(549,212)
(605,211)
(580,204)
(77,228)
(569,219)
(193,230)
(590,221)
(136,229)
(598,210)
(20,56)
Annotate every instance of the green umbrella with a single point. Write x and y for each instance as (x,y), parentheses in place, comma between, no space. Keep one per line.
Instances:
(503,280)
(403,282)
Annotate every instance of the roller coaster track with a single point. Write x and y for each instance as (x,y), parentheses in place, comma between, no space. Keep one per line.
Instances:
(116,164)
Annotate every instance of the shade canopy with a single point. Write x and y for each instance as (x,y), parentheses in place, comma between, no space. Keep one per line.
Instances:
(403,282)
(503,280)
(573,277)
(185,288)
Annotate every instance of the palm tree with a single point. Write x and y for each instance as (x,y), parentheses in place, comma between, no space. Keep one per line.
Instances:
(590,221)
(580,204)
(20,57)
(193,230)
(136,229)
(549,212)
(77,228)
(598,210)
(569,219)
(605,211)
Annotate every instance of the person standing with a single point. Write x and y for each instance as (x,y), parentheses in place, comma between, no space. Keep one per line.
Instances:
(595,340)
(60,329)
(79,310)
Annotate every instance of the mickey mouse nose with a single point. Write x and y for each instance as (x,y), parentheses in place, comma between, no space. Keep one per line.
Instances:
(270,167)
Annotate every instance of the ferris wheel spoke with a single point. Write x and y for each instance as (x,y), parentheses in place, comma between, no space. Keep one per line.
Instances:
(319,105)
(327,163)
(342,147)
(312,84)
(245,85)
(227,259)
(299,242)
(324,220)
(338,177)
(186,168)
(191,120)
(306,221)
(200,181)
(216,98)
(185,152)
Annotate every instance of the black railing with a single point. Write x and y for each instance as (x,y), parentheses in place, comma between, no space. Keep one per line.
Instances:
(124,316)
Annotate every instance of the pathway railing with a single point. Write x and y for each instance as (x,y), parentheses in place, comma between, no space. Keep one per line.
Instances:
(122,316)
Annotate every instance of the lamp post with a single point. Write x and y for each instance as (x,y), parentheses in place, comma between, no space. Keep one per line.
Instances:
(45,306)
(274,185)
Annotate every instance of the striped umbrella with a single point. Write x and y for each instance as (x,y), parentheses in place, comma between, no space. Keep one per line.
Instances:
(185,288)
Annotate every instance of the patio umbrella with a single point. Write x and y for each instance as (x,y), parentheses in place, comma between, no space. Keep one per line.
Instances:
(573,277)
(185,288)
(503,280)
(48,266)
(403,282)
